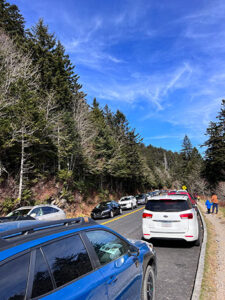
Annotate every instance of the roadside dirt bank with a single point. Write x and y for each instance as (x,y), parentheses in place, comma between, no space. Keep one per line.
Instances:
(217,259)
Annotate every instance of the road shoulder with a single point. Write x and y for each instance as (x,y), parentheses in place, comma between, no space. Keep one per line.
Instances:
(213,285)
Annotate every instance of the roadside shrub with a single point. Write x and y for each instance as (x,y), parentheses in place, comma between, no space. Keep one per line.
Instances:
(103,195)
(8,205)
(67,195)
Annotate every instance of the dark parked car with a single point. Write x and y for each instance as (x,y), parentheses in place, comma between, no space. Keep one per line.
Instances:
(106,209)
(141,199)
(73,259)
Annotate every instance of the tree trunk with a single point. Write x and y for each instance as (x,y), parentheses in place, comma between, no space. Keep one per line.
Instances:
(101,187)
(58,144)
(21,167)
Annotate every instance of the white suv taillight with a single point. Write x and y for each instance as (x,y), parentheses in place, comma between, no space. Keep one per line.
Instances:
(186,216)
(146,216)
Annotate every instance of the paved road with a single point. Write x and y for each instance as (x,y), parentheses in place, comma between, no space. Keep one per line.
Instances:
(177,261)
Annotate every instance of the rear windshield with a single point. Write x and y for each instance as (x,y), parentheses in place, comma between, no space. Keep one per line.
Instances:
(168,205)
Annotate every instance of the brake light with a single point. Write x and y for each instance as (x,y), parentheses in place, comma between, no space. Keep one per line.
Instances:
(186,216)
(146,216)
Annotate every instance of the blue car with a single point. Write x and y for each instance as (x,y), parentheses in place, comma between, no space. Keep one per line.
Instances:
(73,259)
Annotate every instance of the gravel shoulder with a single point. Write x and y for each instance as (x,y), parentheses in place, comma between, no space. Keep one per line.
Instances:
(216,224)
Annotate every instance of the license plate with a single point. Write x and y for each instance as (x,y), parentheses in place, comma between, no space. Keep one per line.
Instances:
(166,224)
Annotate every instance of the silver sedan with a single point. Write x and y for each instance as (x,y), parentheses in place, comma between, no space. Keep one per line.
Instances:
(40,212)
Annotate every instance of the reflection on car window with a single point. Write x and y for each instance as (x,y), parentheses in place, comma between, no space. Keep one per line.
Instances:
(13,278)
(68,259)
(42,282)
(103,205)
(108,246)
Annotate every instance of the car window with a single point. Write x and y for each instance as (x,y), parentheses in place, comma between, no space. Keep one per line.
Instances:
(54,210)
(13,278)
(19,212)
(42,283)
(38,211)
(108,246)
(125,199)
(49,210)
(68,259)
(168,205)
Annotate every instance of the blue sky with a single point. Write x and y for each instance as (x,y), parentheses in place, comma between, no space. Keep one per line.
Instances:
(162,63)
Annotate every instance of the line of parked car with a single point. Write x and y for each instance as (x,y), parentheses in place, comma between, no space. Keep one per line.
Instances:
(80,259)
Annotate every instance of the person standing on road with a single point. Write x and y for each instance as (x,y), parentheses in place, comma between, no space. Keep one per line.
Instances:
(215,203)
(208,205)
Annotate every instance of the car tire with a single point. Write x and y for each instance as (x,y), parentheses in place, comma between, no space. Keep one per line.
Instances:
(111,214)
(198,241)
(148,285)
(121,211)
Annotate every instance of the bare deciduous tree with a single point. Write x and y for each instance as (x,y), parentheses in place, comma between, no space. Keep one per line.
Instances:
(84,125)
(18,85)
(14,65)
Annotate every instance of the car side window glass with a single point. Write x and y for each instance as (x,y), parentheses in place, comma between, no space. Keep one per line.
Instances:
(38,211)
(108,246)
(48,210)
(13,278)
(54,210)
(42,281)
(68,259)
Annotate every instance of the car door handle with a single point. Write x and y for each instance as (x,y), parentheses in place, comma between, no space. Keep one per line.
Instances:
(112,280)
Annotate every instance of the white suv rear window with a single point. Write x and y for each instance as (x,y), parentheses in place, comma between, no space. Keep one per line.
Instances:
(168,205)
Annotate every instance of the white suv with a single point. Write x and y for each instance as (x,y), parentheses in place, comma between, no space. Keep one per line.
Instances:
(128,202)
(170,216)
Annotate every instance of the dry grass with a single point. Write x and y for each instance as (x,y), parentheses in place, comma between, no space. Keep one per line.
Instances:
(208,289)
(222,208)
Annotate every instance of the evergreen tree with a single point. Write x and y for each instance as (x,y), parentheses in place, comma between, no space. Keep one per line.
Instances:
(11,21)
(186,148)
(215,152)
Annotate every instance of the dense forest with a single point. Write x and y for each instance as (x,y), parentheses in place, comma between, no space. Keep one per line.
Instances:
(48,130)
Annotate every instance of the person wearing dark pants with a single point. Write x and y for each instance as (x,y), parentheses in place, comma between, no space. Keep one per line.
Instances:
(215,203)
(208,205)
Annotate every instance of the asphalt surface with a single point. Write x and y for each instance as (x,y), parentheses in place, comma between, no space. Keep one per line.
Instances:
(177,261)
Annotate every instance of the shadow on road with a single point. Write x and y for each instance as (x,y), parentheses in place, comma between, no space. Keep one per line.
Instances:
(171,243)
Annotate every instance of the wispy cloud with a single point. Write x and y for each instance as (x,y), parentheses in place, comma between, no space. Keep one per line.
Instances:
(164,60)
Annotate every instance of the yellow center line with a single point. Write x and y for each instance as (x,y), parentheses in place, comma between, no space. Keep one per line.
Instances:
(122,216)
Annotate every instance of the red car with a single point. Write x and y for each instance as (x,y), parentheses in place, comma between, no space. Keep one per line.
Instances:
(184,193)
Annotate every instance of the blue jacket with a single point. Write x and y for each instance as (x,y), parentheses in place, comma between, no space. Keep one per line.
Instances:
(208,204)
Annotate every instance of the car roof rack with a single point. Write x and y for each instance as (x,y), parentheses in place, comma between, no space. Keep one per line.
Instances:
(6,235)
